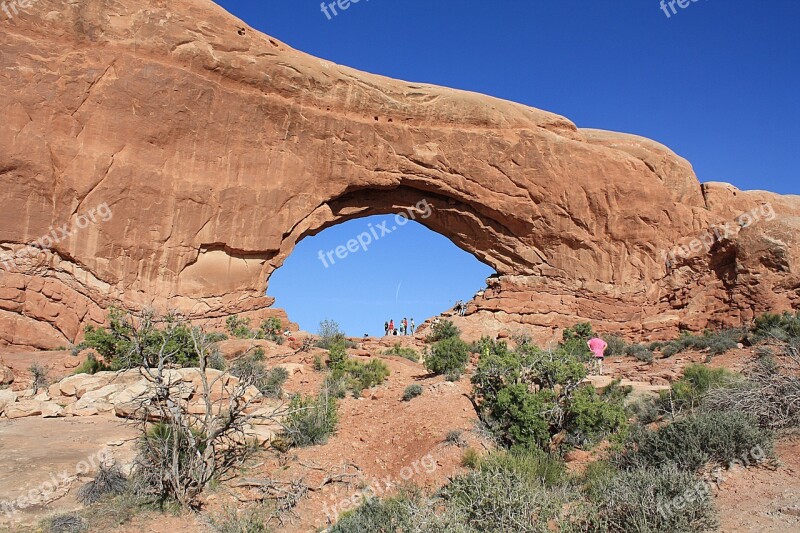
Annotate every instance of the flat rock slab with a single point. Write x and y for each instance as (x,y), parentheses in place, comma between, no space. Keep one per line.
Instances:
(37,451)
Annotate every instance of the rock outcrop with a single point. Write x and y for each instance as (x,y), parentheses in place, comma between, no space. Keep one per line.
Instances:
(168,155)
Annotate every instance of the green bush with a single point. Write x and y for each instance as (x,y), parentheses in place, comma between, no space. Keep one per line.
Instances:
(448,355)
(694,441)
(641,352)
(697,380)
(272,383)
(39,376)
(717,342)
(353,375)
(399,513)
(785,327)
(117,346)
(616,346)
(407,353)
(311,420)
(442,330)
(330,334)
(412,391)
(591,417)
(455,437)
(652,500)
(574,340)
(238,327)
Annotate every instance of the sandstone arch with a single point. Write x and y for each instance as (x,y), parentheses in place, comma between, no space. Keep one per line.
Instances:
(218,151)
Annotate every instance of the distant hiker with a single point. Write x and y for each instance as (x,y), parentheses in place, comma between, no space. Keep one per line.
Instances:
(404,326)
(412,326)
(391,326)
(395,332)
(385,328)
(598,347)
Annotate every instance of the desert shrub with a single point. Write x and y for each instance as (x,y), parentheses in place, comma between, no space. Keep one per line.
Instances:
(529,396)
(407,353)
(399,513)
(311,420)
(641,500)
(272,384)
(411,392)
(696,440)
(471,458)
(91,365)
(350,374)
(231,520)
(249,369)
(39,376)
(131,340)
(318,365)
(448,355)
(239,327)
(616,345)
(453,375)
(337,353)
(574,339)
(591,416)
(329,334)
(784,327)
(442,330)
(455,437)
(770,393)
(697,380)
(109,481)
(271,326)
(716,342)
(66,523)
(641,352)
(216,360)
(533,464)
(496,498)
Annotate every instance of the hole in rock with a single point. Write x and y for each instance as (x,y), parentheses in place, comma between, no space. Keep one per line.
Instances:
(411,272)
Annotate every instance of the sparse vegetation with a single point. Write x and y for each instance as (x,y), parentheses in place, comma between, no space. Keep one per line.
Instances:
(231,520)
(407,353)
(66,523)
(641,352)
(329,334)
(716,342)
(455,437)
(311,419)
(109,481)
(39,377)
(412,391)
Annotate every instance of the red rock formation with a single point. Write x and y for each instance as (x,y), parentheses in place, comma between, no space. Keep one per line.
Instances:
(216,150)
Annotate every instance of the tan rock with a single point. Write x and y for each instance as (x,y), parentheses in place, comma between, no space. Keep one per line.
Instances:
(6,375)
(513,185)
(52,410)
(7,397)
(23,409)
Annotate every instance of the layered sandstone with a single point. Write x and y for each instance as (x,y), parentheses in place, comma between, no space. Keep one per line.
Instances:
(215,149)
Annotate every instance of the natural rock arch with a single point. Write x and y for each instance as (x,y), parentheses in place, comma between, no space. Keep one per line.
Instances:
(217,151)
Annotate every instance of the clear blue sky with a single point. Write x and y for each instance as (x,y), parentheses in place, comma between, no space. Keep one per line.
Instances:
(718,82)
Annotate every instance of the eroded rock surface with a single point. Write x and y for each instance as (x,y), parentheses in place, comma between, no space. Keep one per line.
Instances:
(196,152)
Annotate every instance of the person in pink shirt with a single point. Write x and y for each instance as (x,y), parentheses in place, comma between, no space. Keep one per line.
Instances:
(598,347)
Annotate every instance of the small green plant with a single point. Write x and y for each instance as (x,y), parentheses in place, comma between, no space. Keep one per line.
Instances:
(697,380)
(271,326)
(329,334)
(641,352)
(574,340)
(311,419)
(471,458)
(319,366)
(238,327)
(272,384)
(442,330)
(407,353)
(412,391)
(616,346)
(447,356)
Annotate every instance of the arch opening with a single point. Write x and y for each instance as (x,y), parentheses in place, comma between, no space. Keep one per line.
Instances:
(370,269)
